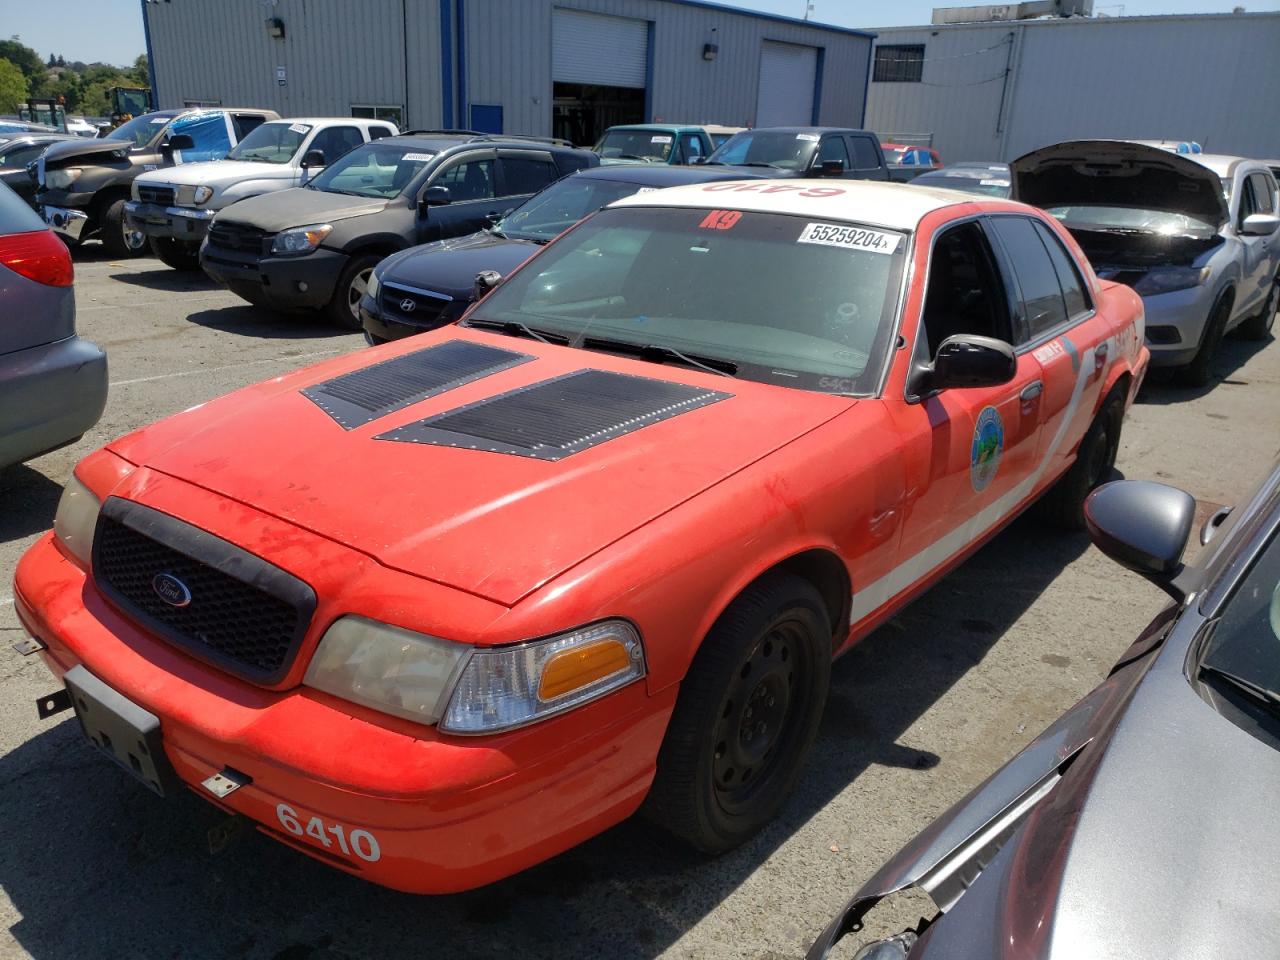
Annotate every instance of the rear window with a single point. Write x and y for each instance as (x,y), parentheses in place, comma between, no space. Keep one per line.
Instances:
(647,145)
(16,216)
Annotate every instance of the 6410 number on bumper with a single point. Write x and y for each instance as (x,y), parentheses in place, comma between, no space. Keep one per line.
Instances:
(359,843)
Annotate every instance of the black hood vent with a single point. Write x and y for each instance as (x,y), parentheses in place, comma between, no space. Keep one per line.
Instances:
(557,418)
(361,396)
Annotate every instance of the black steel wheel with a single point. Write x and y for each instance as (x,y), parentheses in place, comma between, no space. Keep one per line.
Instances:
(1258,327)
(1063,504)
(120,239)
(344,308)
(1196,373)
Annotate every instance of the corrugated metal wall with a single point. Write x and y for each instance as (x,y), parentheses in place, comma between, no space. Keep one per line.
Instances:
(337,53)
(1207,78)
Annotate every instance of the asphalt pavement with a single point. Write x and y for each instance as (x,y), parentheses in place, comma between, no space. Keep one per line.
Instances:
(92,865)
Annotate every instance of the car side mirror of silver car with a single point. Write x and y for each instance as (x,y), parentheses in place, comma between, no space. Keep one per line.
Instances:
(1260,225)
(1144,527)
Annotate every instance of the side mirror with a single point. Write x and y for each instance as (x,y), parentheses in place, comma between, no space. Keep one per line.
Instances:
(1144,527)
(486,280)
(968,360)
(313,158)
(697,161)
(831,168)
(180,141)
(1259,225)
(493,217)
(436,196)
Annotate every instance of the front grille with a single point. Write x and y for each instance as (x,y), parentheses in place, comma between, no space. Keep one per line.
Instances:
(420,309)
(233,236)
(228,607)
(160,195)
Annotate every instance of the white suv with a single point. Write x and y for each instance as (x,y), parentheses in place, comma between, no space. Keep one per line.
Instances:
(173,206)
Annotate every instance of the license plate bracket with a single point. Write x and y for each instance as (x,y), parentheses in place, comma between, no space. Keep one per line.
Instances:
(119,728)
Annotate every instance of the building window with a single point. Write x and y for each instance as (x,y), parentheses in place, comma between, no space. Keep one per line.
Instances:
(379,112)
(899,63)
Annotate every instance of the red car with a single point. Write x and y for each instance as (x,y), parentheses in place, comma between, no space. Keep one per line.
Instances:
(435,612)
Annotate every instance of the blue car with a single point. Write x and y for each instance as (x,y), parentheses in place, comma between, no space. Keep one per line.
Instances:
(428,286)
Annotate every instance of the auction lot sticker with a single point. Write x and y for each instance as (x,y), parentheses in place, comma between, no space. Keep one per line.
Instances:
(855,238)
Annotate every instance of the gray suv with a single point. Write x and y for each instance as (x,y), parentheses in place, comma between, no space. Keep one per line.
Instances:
(53,385)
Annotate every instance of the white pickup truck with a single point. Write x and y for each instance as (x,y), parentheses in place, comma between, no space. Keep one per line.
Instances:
(173,206)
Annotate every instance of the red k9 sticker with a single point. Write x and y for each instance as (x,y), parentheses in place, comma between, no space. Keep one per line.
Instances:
(855,238)
(720,220)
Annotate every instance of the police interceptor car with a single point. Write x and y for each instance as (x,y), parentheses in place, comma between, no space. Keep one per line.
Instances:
(628,510)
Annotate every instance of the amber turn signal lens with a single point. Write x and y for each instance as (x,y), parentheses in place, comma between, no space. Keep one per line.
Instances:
(577,667)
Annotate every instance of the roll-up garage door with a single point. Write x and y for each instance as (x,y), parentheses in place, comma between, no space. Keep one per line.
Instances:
(787,75)
(599,49)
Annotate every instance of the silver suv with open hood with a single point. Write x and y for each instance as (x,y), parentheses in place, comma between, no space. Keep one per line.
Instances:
(1194,235)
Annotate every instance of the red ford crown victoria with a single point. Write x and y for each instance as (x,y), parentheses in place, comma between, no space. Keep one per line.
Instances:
(592,549)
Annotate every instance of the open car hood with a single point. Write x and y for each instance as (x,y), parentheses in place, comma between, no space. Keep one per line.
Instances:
(68,152)
(1117,173)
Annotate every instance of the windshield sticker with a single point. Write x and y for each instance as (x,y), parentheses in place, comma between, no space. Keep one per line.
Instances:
(660,138)
(159,119)
(855,238)
(994,183)
(418,156)
(811,137)
(298,128)
(720,220)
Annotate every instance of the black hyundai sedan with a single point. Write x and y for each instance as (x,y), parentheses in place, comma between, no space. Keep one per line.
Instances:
(428,286)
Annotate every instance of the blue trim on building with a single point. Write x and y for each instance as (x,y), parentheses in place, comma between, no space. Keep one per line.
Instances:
(866,87)
(776,18)
(460,26)
(151,59)
(818,71)
(648,73)
(446,64)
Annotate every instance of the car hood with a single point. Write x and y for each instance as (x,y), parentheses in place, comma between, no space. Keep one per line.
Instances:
(450,266)
(1121,174)
(219,173)
(298,207)
(497,525)
(79,151)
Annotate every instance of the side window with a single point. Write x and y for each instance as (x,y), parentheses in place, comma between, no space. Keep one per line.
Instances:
(468,180)
(378,132)
(1073,289)
(1042,302)
(833,148)
(965,293)
(1248,205)
(246,123)
(1264,200)
(208,132)
(22,156)
(526,174)
(864,154)
(336,141)
(692,147)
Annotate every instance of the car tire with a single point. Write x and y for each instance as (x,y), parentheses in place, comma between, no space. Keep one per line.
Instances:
(1258,327)
(1063,504)
(119,240)
(343,309)
(1196,373)
(747,714)
(175,253)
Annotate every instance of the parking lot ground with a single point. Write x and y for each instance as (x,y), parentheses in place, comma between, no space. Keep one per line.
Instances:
(93,866)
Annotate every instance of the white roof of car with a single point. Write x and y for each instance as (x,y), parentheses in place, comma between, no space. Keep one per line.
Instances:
(893,205)
(1219,163)
(348,121)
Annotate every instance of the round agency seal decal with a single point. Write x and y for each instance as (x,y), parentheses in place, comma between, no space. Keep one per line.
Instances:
(988,443)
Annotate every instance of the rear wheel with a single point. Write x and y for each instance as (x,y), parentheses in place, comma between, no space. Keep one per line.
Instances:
(344,308)
(118,237)
(747,714)
(175,253)
(1258,327)
(1063,504)
(1196,373)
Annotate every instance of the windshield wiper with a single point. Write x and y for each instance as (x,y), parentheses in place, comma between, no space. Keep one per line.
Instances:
(761,163)
(514,328)
(657,353)
(1268,699)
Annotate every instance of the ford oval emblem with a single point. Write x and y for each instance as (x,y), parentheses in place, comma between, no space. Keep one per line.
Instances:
(171,590)
(408,306)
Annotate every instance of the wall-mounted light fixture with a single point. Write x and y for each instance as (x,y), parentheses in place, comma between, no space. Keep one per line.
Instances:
(275,28)
(710,49)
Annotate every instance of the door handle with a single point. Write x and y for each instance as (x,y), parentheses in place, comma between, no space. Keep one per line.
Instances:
(1031,391)
(1100,356)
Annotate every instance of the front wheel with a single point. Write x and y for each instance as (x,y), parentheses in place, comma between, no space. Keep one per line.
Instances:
(344,309)
(1063,504)
(747,714)
(1258,327)
(1196,373)
(118,237)
(175,253)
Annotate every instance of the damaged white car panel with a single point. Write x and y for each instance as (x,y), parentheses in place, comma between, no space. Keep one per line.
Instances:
(1193,234)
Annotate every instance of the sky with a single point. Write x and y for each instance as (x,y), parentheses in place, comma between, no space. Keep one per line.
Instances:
(111,30)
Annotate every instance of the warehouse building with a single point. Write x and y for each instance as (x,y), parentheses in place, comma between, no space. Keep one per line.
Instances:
(997,89)
(537,67)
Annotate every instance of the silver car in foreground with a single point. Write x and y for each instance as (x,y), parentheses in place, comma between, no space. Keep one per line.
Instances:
(1142,824)
(53,384)
(1194,234)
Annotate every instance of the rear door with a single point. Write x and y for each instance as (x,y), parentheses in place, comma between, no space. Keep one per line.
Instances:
(868,158)
(471,179)
(521,174)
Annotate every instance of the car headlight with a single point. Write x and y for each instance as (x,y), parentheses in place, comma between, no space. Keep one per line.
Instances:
(61,179)
(1169,279)
(374,286)
(505,687)
(202,194)
(76,519)
(300,239)
(896,947)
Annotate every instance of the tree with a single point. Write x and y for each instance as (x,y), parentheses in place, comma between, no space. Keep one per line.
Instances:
(141,71)
(23,57)
(13,87)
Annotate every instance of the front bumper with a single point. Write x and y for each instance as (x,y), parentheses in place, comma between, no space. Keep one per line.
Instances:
(73,224)
(1179,319)
(447,813)
(281,283)
(172,223)
(381,326)
(49,396)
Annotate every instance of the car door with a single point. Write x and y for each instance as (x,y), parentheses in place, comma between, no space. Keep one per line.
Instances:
(967,452)
(868,158)
(521,174)
(1258,195)
(471,179)
(1057,324)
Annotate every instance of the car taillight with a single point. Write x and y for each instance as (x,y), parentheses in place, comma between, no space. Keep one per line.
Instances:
(39,256)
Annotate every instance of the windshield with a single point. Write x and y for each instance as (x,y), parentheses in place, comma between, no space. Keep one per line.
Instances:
(561,205)
(382,170)
(1130,219)
(988,186)
(789,301)
(271,142)
(649,145)
(1246,642)
(140,130)
(786,151)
